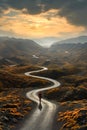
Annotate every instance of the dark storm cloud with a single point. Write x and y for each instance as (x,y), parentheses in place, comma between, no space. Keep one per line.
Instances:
(74,10)
(30,5)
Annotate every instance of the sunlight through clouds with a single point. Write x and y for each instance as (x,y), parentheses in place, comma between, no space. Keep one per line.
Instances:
(32,26)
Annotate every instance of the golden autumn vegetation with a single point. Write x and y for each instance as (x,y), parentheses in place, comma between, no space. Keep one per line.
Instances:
(10,77)
(21,68)
(75,117)
(13,87)
(71,95)
(13,107)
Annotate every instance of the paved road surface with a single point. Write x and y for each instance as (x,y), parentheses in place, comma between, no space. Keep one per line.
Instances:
(41,120)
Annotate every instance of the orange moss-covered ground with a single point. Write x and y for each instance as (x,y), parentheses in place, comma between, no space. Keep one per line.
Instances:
(13,108)
(74,117)
(13,87)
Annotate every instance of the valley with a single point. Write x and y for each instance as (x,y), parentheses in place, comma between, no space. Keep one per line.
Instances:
(66,63)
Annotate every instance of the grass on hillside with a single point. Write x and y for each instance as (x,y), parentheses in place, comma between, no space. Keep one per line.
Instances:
(72,95)
(73,115)
(13,87)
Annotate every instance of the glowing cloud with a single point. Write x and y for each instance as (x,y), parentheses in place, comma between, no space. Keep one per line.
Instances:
(18,24)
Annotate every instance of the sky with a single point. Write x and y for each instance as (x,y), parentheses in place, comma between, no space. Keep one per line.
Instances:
(39,19)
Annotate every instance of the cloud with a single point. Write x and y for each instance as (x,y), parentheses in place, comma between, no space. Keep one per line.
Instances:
(31,6)
(9,33)
(33,26)
(73,10)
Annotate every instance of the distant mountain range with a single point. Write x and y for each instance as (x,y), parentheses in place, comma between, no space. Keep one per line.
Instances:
(14,50)
(74,49)
(46,41)
(80,39)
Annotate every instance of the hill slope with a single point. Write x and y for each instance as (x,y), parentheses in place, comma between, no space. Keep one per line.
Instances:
(11,47)
(81,39)
(70,51)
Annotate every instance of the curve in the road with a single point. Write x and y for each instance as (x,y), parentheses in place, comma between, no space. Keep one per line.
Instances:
(40,120)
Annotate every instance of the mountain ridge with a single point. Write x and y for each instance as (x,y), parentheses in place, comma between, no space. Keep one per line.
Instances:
(80,39)
(11,47)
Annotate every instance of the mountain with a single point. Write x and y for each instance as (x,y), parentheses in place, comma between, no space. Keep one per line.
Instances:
(81,39)
(46,41)
(74,49)
(14,50)
(11,47)
(69,53)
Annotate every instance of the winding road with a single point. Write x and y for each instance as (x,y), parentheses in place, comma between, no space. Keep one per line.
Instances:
(41,120)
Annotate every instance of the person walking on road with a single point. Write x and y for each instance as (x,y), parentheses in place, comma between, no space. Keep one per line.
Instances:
(40,105)
(40,96)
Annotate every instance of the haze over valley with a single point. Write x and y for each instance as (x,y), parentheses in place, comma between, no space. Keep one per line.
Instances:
(16,50)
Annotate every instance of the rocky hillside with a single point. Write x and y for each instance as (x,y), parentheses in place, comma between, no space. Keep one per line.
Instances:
(70,52)
(11,47)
